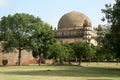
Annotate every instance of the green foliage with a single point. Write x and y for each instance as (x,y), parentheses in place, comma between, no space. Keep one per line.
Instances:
(4,62)
(84,51)
(41,41)
(68,50)
(90,51)
(100,56)
(56,51)
(112,13)
(16,31)
(61,51)
(79,50)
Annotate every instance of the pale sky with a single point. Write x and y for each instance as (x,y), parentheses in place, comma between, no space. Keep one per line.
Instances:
(52,10)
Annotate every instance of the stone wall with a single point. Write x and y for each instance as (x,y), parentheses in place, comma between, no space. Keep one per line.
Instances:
(12,58)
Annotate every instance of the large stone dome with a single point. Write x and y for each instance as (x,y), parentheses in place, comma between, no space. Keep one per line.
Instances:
(73,20)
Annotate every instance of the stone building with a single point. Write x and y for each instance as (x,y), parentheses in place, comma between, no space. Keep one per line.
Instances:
(75,26)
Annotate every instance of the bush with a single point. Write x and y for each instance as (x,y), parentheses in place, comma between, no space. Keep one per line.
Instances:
(4,62)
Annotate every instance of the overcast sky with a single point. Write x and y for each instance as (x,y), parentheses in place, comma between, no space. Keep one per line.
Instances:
(52,10)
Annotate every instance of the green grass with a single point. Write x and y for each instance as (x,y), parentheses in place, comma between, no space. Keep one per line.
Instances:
(102,71)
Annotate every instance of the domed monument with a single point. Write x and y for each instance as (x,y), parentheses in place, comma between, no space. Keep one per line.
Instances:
(74,26)
(72,20)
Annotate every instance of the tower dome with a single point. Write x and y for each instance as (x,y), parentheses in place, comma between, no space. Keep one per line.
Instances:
(72,20)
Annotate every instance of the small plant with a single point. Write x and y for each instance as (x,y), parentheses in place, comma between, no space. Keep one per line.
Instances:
(4,62)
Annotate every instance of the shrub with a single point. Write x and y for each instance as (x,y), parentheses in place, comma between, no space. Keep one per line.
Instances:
(4,62)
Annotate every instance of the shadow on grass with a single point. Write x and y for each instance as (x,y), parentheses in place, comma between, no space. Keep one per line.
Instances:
(74,71)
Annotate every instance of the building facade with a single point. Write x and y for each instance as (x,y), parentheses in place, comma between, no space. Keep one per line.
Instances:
(75,26)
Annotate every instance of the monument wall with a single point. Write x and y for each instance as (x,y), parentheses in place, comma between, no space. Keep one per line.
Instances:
(26,58)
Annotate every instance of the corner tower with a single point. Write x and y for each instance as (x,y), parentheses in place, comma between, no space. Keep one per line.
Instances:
(87,31)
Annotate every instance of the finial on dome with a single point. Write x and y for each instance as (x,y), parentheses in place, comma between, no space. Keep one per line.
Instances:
(85,23)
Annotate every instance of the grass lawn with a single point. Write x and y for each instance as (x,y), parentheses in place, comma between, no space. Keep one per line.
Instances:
(102,71)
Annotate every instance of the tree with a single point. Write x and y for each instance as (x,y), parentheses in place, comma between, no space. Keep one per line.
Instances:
(16,30)
(79,50)
(41,41)
(59,51)
(100,33)
(68,51)
(100,54)
(90,51)
(108,50)
(112,13)
(56,51)
(104,50)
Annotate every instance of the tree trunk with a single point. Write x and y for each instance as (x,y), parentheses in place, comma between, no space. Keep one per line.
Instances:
(80,61)
(19,58)
(89,61)
(69,61)
(76,60)
(66,60)
(117,61)
(53,61)
(39,60)
(97,61)
(61,61)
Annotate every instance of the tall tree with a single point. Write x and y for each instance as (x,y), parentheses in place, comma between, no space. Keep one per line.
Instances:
(41,41)
(68,51)
(79,50)
(112,13)
(108,50)
(16,30)
(56,52)
(90,51)
(61,52)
